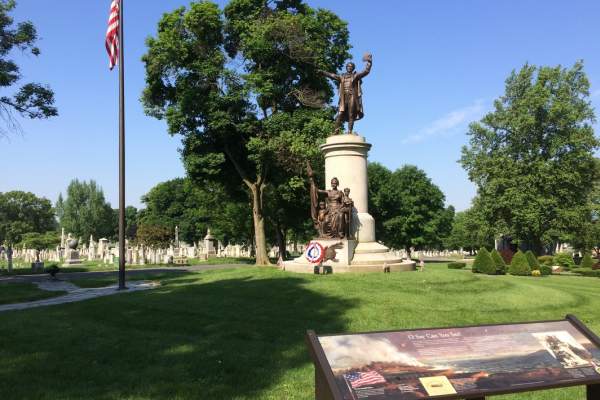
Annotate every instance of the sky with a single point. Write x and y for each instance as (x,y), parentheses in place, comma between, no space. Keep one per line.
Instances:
(437,66)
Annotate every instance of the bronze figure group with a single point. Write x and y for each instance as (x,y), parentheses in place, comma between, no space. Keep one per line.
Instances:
(332,217)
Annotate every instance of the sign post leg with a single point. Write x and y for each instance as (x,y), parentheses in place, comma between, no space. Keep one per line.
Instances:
(593,392)
(321,390)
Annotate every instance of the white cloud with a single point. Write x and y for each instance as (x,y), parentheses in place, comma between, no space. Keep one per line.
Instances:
(448,123)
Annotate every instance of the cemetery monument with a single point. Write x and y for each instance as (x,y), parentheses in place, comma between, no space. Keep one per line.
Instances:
(341,217)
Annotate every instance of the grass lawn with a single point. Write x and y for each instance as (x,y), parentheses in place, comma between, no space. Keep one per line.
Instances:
(21,292)
(239,334)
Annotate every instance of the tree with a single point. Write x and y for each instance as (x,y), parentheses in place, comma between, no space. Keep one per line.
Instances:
(85,211)
(532,157)
(40,241)
(131,222)
(239,85)
(21,213)
(408,208)
(469,231)
(154,236)
(31,100)
(194,208)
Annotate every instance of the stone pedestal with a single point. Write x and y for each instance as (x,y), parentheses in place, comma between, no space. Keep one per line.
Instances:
(346,159)
(72,258)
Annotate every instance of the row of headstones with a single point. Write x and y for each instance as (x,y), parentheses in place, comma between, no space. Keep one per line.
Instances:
(134,254)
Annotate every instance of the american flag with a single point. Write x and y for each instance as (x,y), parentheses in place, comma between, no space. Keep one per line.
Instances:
(359,379)
(112,34)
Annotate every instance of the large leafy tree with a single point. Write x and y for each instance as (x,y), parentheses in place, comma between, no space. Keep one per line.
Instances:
(31,100)
(532,157)
(85,211)
(22,213)
(194,208)
(469,231)
(408,208)
(239,85)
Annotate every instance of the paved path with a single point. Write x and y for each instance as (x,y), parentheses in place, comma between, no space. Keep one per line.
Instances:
(131,273)
(76,293)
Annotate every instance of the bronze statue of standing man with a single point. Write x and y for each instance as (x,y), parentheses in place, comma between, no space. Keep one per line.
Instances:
(350,107)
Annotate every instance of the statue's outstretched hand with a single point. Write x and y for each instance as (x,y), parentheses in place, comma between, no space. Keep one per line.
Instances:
(368,57)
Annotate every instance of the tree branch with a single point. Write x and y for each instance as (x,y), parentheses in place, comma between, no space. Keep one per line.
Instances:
(238,167)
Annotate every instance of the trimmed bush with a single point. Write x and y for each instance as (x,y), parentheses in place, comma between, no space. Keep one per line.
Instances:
(498,262)
(586,261)
(565,260)
(456,265)
(483,263)
(587,272)
(546,260)
(546,270)
(519,265)
(536,272)
(532,260)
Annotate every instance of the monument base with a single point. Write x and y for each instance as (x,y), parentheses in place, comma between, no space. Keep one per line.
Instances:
(72,258)
(354,257)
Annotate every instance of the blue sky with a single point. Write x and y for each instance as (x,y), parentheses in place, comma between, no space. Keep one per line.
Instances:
(438,65)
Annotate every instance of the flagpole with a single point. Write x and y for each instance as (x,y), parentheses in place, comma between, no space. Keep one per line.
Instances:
(121,150)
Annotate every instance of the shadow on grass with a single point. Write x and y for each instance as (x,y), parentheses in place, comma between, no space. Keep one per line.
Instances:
(223,339)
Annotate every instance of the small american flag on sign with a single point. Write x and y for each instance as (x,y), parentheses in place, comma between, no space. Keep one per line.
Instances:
(112,34)
(360,379)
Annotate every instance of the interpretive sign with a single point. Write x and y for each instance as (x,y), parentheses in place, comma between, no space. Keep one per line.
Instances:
(454,363)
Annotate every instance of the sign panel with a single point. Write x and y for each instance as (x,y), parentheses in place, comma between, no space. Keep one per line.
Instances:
(406,365)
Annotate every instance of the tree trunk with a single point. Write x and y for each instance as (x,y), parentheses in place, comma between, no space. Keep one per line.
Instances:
(9,253)
(262,257)
(281,241)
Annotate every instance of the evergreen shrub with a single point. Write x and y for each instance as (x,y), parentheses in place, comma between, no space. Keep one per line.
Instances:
(457,265)
(586,261)
(483,263)
(532,260)
(519,265)
(498,262)
(546,270)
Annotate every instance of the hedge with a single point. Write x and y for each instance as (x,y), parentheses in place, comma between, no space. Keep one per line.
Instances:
(457,265)
(587,272)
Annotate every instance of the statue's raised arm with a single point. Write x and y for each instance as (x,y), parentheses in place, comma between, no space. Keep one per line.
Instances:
(368,59)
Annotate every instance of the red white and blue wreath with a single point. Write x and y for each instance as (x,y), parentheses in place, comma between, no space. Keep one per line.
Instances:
(315,253)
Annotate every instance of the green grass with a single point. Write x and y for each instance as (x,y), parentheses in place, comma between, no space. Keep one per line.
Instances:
(239,333)
(21,292)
